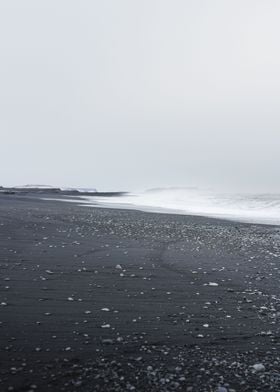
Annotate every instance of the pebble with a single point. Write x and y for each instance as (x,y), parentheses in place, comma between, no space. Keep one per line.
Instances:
(258,367)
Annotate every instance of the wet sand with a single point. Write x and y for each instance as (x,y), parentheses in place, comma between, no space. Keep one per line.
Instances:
(113,300)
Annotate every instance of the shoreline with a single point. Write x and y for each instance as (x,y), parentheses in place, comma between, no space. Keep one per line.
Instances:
(110,299)
(164,211)
(88,198)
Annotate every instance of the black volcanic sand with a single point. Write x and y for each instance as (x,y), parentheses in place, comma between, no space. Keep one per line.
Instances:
(113,300)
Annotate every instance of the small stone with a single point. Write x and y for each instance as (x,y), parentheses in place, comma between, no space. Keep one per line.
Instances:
(107,341)
(258,367)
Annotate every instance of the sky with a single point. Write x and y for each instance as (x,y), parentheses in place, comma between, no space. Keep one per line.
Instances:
(134,94)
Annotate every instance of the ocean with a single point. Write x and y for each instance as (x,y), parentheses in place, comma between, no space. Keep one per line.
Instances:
(244,207)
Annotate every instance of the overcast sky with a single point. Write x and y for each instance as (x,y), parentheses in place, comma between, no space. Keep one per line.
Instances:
(132,94)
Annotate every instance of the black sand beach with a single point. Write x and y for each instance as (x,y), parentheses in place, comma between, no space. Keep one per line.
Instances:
(113,300)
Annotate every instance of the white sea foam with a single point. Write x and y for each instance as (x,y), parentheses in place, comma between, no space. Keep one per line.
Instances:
(82,190)
(255,208)
(39,186)
(34,186)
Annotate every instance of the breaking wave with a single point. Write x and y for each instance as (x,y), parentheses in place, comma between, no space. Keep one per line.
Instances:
(255,208)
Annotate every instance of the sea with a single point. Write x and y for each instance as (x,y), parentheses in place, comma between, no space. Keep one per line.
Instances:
(244,207)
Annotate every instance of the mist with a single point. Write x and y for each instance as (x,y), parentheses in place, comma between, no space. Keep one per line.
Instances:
(126,95)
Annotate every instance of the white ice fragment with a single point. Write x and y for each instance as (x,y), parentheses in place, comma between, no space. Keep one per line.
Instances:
(212,284)
(105,309)
(87,312)
(106,326)
(205,325)
(118,266)
(70,299)
(49,272)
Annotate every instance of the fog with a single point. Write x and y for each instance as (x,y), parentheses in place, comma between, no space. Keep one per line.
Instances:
(129,95)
